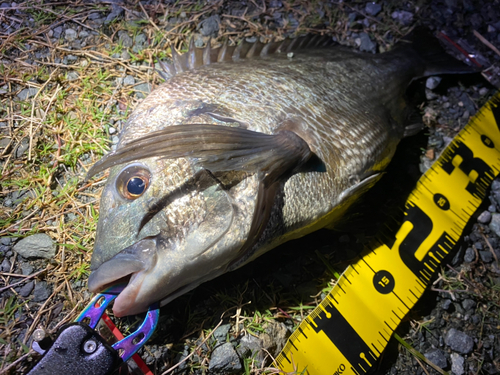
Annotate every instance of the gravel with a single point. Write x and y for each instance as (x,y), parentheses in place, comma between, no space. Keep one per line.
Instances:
(224,360)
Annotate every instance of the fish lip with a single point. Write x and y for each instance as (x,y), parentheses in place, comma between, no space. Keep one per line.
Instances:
(139,257)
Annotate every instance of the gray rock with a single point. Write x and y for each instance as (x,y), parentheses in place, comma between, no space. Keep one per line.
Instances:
(116,12)
(403,17)
(57,31)
(484,218)
(26,289)
(125,39)
(373,9)
(220,333)
(495,185)
(468,304)
(495,223)
(72,76)
(366,44)
(224,360)
(445,304)
(210,26)
(457,364)
(432,82)
(70,35)
(128,80)
(459,341)
(437,357)
(140,39)
(274,338)
(142,90)
(28,93)
(27,268)
(42,291)
(5,240)
(22,148)
(486,256)
(36,246)
(470,255)
(5,266)
(251,347)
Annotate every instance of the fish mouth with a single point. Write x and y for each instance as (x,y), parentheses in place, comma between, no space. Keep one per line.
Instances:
(131,265)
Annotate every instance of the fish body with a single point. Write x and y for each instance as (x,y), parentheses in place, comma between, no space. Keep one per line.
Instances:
(238,153)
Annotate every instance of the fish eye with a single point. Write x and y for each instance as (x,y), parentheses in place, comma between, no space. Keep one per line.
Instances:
(133,181)
(136,186)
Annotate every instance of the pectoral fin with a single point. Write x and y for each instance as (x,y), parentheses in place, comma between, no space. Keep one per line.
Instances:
(217,148)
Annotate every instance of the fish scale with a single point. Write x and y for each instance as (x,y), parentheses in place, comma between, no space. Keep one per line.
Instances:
(298,130)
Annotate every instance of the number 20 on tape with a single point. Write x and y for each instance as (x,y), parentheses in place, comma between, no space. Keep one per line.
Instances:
(349,330)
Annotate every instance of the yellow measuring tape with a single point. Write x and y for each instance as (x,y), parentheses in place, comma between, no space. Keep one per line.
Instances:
(350,329)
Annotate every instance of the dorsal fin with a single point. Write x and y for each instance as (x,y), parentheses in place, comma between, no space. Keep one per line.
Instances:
(197,57)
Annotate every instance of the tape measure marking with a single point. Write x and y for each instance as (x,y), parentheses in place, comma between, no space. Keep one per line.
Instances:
(349,330)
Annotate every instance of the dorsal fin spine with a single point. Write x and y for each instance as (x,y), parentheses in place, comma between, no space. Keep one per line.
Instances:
(196,57)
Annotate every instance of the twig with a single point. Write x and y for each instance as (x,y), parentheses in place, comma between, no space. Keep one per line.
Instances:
(21,281)
(16,362)
(483,39)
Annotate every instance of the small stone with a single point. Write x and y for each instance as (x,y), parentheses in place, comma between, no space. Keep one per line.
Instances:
(366,44)
(26,268)
(221,332)
(457,364)
(459,341)
(22,148)
(210,26)
(251,347)
(72,76)
(27,288)
(486,256)
(116,12)
(142,90)
(125,55)
(125,39)
(27,93)
(445,304)
(492,208)
(484,218)
(403,17)
(495,224)
(70,35)
(111,130)
(5,266)
(432,82)
(224,360)
(495,185)
(373,9)
(36,246)
(483,91)
(437,357)
(128,80)
(5,240)
(42,291)
(468,304)
(470,255)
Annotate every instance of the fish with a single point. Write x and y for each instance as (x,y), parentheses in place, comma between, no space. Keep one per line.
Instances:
(243,148)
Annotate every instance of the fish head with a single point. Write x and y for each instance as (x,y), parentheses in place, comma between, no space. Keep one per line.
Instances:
(166,226)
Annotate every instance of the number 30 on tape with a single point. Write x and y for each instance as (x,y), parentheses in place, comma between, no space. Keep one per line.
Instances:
(349,330)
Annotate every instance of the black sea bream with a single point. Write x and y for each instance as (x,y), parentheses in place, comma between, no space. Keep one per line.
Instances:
(242,149)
